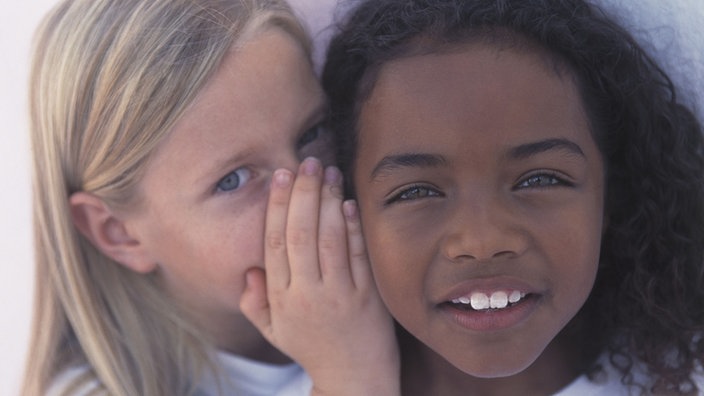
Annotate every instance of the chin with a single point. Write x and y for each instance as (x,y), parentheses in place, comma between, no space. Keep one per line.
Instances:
(495,372)
(505,365)
(499,371)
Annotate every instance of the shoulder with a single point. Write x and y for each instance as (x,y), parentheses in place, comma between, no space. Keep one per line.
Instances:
(74,381)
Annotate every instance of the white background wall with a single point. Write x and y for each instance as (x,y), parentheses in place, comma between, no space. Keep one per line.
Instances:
(672,29)
(17,22)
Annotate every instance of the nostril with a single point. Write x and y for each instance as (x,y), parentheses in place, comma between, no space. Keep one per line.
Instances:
(505,254)
(463,257)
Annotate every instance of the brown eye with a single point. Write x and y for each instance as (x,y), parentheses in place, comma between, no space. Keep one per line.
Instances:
(413,193)
(542,180)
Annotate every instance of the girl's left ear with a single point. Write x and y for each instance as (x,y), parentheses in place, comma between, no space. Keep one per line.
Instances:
(107,231)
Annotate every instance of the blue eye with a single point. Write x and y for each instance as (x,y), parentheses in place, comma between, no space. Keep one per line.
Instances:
(234,180)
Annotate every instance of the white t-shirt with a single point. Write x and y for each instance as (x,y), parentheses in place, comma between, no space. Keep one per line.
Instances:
(245,377)
(239,377)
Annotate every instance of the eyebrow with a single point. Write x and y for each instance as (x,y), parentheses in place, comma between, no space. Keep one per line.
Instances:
(422,160)
(417,160)
(530,149)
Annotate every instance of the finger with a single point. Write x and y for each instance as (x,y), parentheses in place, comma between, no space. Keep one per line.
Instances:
(253,302)
(302,224)
(332,232)
(275,254)
(359,260)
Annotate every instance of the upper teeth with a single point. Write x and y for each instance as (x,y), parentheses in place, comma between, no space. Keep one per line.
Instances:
(498,299)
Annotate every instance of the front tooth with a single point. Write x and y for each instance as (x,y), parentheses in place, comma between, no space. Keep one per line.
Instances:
(498,299)
(479,301)
(515,296)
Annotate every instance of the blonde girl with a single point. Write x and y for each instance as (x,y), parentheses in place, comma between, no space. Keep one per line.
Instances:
(157,127)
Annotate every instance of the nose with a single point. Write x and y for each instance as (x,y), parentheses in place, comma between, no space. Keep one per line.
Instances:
(482,229)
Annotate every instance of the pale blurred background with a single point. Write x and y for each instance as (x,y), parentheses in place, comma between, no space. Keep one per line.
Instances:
(671,30)
(17,22)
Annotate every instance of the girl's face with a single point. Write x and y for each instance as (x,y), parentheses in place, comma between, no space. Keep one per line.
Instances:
(205,188)
(481,195)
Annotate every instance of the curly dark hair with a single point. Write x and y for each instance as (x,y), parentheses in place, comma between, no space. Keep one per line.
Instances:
(648,301)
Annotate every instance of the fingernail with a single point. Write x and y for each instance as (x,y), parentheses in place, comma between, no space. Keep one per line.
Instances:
(332,175)
(310,166)
(282,178)
(349,208)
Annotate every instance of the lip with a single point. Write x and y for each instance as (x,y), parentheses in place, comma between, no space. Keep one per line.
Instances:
(487,286)
(491,320)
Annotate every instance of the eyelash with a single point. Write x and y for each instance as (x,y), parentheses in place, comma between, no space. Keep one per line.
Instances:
(534,180)
(403,195)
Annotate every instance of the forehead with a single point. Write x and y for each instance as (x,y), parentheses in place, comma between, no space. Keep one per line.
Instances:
(498,38)
(467,58)
(264,92)
(475,90)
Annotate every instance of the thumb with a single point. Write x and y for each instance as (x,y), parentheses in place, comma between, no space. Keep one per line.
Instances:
(253,303)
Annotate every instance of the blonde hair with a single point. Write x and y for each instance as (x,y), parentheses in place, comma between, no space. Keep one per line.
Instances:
(109,79)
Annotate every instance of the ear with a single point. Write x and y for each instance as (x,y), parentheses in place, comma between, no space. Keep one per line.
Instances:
(106,231)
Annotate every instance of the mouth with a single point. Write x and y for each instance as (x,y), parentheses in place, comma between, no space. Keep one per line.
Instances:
(495,301)
(491,309)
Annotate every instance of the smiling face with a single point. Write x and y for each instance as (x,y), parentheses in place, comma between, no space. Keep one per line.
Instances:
(481,195)
(205,189)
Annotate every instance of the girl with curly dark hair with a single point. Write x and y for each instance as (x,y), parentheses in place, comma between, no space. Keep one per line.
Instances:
(532,196)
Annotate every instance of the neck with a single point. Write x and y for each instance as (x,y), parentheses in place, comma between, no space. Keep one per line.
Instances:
(424,372)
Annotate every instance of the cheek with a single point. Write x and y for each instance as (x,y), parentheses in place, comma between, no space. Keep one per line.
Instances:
(575,249)
(382,250)
(398,265)
(400,285)
(245,243)
(226,243)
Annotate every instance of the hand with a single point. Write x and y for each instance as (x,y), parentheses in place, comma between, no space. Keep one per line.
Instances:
(319,302)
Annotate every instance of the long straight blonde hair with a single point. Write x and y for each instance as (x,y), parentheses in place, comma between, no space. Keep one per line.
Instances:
(109,79)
